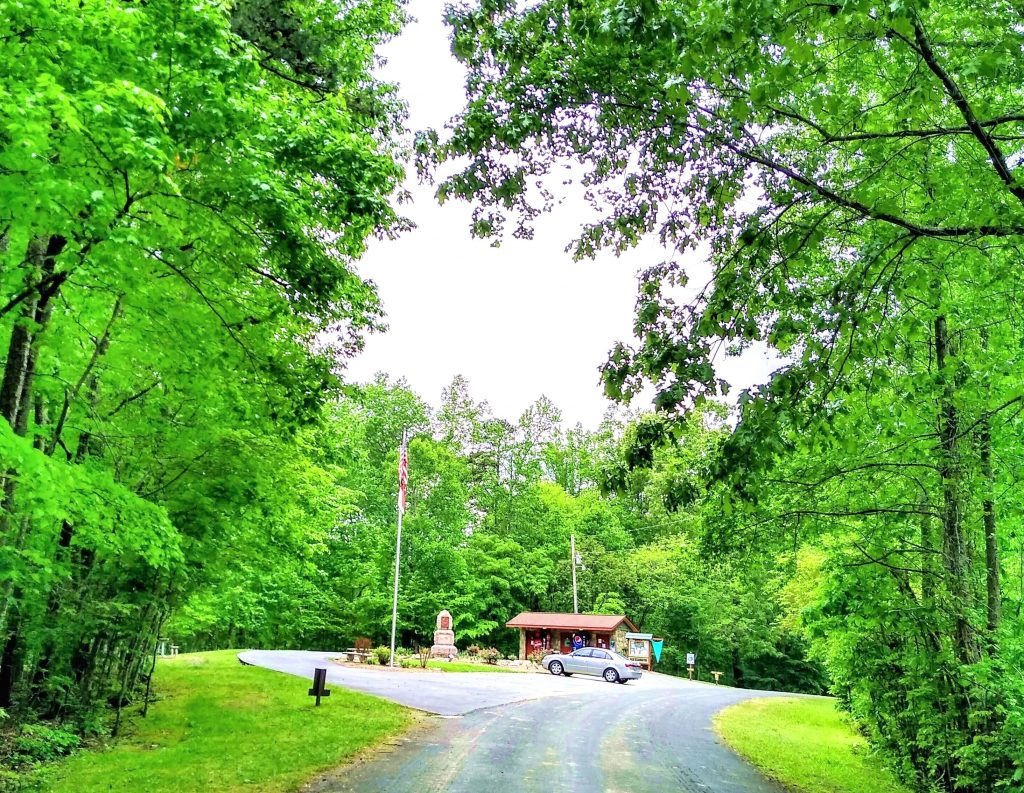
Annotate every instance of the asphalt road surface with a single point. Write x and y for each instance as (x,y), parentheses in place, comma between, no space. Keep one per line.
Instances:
(538,733)
(441,693)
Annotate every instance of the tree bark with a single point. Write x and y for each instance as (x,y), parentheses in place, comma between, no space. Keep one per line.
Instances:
(994,605)
(41,420)
(14,388)
(152,666)
(954,549)
(992,582)
(16,397)
(10,669)
(41,318)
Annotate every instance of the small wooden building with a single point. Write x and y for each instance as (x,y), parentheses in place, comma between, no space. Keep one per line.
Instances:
(543,631)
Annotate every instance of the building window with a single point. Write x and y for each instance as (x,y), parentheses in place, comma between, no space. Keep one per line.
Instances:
(537,641)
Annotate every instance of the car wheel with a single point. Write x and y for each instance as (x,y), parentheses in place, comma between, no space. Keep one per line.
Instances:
(611,675)
(555,668)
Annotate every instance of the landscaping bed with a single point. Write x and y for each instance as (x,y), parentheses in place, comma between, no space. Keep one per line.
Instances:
(412,664)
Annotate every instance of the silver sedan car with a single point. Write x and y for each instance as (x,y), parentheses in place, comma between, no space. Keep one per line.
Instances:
(593,661)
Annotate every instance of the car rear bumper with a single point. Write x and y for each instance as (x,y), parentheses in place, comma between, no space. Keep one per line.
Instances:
(633,674)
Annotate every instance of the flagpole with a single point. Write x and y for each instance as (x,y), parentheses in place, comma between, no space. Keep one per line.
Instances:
(572,553)
(398,556)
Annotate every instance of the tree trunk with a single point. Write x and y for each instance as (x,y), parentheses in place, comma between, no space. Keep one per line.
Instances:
(928,570)
(16,397)
(14,388)
(954,549)
(9,669)
(90,382)
(152,666)
(992,583)
(41,420)
(994,605)
(41,318)
(16,366)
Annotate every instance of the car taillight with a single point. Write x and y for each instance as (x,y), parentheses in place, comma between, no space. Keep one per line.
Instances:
(633,666)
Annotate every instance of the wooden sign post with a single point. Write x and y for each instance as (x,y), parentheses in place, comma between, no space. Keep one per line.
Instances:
(319,688)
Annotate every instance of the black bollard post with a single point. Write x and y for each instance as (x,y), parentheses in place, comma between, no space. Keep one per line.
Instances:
(319,688)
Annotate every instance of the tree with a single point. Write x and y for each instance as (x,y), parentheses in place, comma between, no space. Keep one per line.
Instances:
(178,232)
(852,170)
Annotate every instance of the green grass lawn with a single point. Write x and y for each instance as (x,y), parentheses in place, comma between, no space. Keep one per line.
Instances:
(804,744)
(458,666)
(466,666)
(220,726)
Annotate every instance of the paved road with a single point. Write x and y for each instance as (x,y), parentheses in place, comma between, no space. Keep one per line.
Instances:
(543,734)
(445,694)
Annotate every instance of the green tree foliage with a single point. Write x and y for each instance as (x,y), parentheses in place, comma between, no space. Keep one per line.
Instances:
(183,189)
(489,541)
(853,171)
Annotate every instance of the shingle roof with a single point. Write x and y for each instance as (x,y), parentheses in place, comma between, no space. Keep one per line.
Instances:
(586,622)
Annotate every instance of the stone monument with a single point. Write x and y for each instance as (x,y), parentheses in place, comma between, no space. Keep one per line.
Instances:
(444,637)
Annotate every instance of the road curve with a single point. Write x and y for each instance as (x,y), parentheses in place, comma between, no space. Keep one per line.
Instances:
(441,693)
(544,734)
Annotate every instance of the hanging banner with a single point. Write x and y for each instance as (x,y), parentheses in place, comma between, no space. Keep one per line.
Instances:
(657,644)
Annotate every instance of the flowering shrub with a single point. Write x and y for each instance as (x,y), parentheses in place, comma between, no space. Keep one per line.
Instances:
(490,655)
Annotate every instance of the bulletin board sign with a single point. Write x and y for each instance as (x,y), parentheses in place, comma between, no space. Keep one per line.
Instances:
(639,648)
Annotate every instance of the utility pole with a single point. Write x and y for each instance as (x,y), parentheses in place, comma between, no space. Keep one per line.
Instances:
(572,553)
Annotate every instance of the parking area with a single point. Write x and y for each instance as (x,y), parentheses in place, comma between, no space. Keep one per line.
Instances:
(442,693)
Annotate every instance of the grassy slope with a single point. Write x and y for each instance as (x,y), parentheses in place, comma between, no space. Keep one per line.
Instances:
(229,728)
(456,666)
(805,744)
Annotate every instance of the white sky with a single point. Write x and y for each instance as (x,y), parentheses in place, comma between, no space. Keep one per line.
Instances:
(518,321)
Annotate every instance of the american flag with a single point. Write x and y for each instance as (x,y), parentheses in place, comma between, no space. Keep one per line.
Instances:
(403,474)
